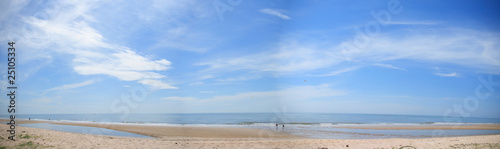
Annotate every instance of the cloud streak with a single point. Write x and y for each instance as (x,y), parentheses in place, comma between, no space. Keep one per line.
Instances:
(72,86)
(156,84)
(286,58)
(337,72)
(413,23)
(453,74)
(288,94)
(276,13)
(470,49)
(387,66)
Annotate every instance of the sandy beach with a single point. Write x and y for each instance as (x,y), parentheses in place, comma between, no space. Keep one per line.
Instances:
(198,132)
(222,137)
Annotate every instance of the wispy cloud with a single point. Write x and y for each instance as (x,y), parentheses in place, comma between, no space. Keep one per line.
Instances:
(453,74)
(291,93)
(71,34)
(156,84)
(469,48)
(125,65)
(240,78)
(182,38)
(413,23)
(337,72)
(286,58)
(206,92)
(275,12)
(10,9)
(72,86)
(387,66)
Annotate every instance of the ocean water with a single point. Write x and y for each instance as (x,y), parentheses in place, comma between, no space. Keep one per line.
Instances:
(259,118)
(314,125)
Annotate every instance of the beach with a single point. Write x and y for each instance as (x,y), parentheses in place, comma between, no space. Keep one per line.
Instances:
(221,137)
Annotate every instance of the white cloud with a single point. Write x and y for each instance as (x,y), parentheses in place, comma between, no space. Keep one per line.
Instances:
(337,72)
(275,13)
(292,93)
(124,64)
(413,23)
(49,32)
(470,48)
(453,74)
(72,86)
(156,84)
(387,66)
(240,78)
(286,58)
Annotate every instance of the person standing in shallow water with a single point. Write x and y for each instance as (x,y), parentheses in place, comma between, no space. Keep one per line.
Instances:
(276,126)
(283,126)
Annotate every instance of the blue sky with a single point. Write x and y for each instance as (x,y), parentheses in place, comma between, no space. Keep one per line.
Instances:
(383,57)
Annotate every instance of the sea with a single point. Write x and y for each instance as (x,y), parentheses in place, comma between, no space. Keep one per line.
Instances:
(313,125)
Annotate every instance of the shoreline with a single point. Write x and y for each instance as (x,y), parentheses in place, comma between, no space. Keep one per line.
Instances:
(389,126)
(42,138)
(189,131)
(177,131)
(161,131)
(464,126)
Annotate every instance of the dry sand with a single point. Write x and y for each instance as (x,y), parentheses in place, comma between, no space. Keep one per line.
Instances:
(203,137)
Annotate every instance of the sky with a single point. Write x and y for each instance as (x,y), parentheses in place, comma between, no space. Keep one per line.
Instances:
(418,57)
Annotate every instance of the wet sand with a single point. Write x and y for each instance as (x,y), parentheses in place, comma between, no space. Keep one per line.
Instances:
(183,131)
(177,131)
(43,138)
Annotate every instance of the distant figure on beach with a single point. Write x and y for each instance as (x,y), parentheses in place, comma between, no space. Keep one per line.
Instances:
(29,119)
(283,126)
(276,126)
